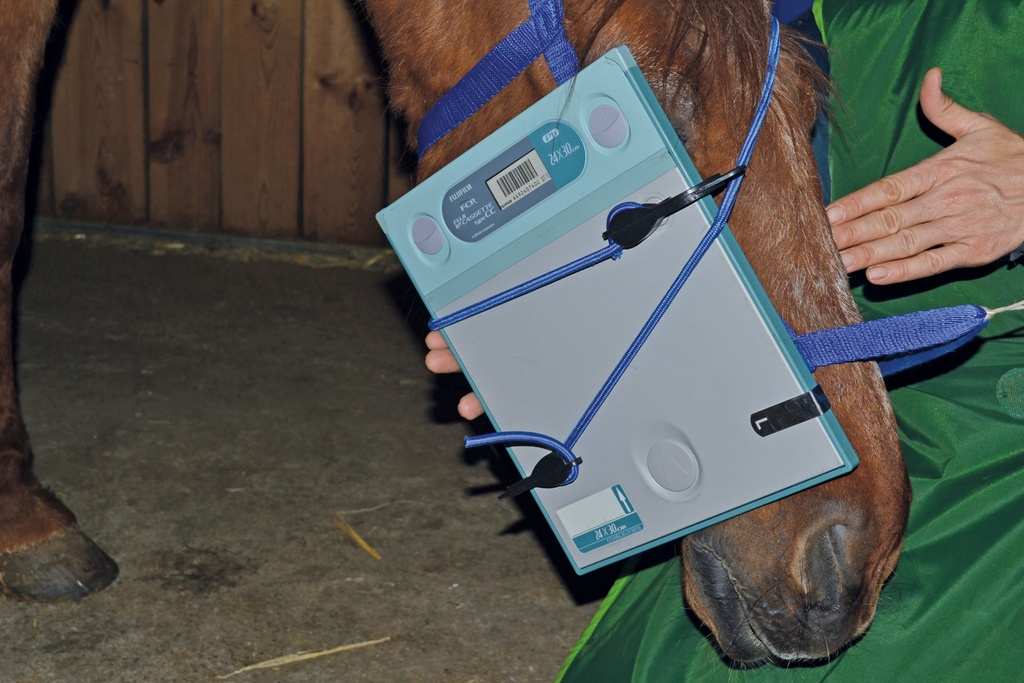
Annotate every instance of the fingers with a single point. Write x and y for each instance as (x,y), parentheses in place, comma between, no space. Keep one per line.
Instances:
(885,203)
(439,359)
(916,242)
(470,407)
(924,264)
(895,232)
(881,210)
(901,187)
(435,340)
(960,207)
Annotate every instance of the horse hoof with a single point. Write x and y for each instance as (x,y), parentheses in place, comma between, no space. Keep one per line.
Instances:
(68,566)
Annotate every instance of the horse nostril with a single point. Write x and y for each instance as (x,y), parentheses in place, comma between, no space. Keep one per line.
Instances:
(831,583)
(833,590)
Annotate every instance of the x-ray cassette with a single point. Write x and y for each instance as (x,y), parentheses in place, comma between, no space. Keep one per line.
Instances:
(688,436)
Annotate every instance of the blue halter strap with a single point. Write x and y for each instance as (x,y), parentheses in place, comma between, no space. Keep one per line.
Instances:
(898,343)
(542,34)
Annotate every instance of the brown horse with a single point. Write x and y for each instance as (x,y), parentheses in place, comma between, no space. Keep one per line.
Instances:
(800,578)
(796,579)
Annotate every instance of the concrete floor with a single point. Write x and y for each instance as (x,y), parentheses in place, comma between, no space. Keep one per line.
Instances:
(206,412)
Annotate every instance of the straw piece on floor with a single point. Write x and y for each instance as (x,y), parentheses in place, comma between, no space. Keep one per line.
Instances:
(304,656)
(340,522)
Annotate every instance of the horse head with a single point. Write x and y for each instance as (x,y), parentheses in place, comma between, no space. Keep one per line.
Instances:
(801,577)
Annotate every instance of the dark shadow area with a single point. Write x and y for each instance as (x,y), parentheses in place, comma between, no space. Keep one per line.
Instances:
(448,389)
(403,293)
(53,57)
(22,262)
(933,368)
(931,130)
(406,160)
(884,293)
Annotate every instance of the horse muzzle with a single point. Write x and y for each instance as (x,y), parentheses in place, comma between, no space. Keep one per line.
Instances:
(809,607)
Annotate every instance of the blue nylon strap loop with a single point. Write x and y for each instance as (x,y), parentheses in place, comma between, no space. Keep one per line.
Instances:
(935,331)
(542,34)
(485,80)
(531,439)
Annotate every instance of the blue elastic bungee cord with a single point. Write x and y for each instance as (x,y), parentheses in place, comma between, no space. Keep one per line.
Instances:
(612,251)
(564,449)
(713,232)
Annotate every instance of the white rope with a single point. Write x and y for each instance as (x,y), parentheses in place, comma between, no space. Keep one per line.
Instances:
(993,312)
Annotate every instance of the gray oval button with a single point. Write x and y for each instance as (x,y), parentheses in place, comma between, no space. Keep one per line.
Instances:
(427,236)
(608,126)
(672,466)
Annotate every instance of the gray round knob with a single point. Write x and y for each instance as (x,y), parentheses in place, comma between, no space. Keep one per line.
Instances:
(608,126)
(427,235)
(672,466)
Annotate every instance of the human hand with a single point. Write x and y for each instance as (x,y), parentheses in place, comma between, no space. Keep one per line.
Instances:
(964,206)
(440,359)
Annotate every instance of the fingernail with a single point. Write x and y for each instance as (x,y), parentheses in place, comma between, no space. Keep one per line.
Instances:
(847,260)
(835,213)
(877,273)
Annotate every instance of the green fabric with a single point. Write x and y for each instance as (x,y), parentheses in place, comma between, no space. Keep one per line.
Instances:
(954,611)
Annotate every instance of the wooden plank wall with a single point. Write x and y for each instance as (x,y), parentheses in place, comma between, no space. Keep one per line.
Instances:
(257,117)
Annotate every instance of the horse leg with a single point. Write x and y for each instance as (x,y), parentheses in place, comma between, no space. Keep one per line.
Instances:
(43,555)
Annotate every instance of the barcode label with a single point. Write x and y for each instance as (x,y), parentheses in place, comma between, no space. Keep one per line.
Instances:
(517,177)
(518,180)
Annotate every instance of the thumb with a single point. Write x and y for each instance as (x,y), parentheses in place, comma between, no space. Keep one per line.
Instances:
(944,112)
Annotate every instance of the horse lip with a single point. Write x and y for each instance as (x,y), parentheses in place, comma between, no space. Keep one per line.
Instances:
(733,627)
